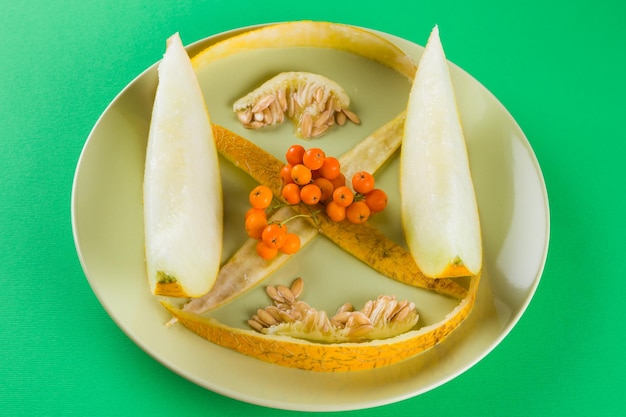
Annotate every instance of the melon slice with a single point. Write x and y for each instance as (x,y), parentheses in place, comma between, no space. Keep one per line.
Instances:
(439,210)
(183,206)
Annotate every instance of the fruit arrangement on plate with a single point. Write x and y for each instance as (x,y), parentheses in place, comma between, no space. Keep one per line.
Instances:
(308,194)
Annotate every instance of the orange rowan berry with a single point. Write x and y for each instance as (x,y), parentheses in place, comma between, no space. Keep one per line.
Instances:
(331,168)
(326,187)
(301,174)
(274,235)
(358,212)
(343,196)
(265,251)
(291,193)
(285,174)
(255,224)
(255,211)
(338,181)
(376,200)
(294,154)
(292,244)
(310,194)
(313,158)
(261,197)
(335,212)
(363,182)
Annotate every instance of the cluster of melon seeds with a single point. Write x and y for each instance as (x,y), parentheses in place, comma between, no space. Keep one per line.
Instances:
(312,101)
(381,318)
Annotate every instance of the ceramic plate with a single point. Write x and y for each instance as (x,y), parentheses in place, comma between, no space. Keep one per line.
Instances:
(108,231)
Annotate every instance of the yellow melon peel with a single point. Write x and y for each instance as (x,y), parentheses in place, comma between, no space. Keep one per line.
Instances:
(332,357)
(311,34)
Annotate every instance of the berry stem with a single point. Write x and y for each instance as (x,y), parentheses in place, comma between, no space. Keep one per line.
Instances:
(295,216)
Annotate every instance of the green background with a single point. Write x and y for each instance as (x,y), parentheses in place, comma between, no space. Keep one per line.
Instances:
(557,67)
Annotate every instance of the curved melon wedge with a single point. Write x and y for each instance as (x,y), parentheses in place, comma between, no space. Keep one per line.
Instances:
(307,33)
(183,207)
(439,210)
(328,357)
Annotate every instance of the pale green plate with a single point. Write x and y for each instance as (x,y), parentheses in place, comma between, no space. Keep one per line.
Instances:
(108,231)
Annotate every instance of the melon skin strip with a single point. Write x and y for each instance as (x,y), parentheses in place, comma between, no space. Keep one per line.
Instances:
(308,33)
(328,357)
(182,185)
(439,209)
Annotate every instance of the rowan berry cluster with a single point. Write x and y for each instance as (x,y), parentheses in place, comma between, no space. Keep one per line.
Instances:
(312,178)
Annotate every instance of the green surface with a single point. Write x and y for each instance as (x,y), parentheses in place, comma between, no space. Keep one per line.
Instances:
(556,66)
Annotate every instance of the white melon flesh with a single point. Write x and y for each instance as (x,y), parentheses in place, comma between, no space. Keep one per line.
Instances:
(439,210)
(183,207)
